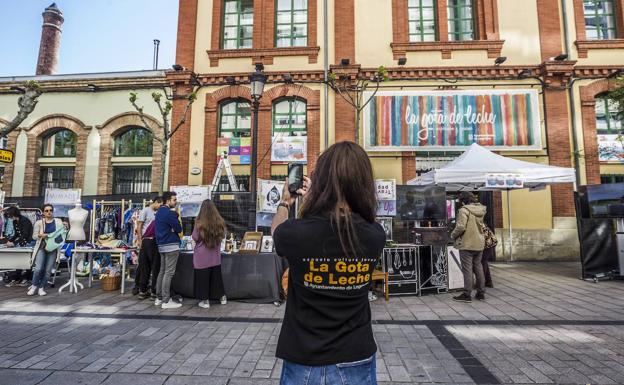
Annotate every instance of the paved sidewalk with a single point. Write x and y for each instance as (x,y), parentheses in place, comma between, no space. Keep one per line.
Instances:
(540,324)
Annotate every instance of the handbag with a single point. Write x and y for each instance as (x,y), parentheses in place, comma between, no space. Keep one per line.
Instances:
(490,238)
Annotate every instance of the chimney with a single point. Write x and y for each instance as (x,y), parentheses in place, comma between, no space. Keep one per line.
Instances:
(50,40)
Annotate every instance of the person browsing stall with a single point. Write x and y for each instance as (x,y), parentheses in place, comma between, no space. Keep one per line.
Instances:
(326,335)
(149,258)
(21,237)
(470,241)
(46,234)
(168,228)
(208,232)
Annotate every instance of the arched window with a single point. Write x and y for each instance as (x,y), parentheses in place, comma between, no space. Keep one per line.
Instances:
(59,144)
(609,130)
(290,117)
(135,141)
(235,119)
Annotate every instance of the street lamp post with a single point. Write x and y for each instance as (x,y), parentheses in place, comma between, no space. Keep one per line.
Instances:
(257,80)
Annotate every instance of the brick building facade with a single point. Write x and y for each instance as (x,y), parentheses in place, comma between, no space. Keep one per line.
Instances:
(425,45)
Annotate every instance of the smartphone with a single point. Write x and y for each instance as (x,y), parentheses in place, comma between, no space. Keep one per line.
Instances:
(295,177)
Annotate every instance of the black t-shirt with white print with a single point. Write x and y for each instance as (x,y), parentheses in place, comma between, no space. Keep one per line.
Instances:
(327,318)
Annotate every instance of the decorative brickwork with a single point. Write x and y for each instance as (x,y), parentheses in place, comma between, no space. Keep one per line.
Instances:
(116,126)
(583,45)
(486,31)
(408,166)
(264,49)
(35,134)
(590,139)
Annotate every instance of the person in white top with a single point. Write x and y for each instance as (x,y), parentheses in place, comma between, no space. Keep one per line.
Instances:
(149,258)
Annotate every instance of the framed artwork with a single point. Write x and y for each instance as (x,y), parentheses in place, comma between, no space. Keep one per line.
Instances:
(267,244)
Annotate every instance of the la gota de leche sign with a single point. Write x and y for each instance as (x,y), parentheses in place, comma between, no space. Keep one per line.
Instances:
(344,273)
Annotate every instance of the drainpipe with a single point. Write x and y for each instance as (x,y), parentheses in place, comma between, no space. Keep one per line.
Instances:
(568,51)
(326,71)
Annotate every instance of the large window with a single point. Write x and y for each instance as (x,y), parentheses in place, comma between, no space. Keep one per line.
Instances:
(60,144)
(237,24)
(421,15)
(460,20)
(599,19)
(235,119)
(612,178)
(134,142)
(56,177)
(289,117)
(608,120)
(132,179)
(291,23)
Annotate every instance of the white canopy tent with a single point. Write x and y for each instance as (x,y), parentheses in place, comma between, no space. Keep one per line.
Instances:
(469,172)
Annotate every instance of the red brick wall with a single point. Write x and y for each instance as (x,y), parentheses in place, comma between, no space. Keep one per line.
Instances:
(50,45)
(590,138)
(549,28)
(211,130)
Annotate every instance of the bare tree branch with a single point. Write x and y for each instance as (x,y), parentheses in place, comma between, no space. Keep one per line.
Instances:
(183,119)
(26,103)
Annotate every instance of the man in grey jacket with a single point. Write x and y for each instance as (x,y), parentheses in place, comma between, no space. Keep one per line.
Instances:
(470,241)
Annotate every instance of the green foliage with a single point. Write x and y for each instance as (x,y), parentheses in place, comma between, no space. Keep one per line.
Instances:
(32,84)
(382,74)
(133,97)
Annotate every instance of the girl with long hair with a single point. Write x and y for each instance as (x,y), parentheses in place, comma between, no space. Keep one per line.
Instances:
(208,232)
(332,248)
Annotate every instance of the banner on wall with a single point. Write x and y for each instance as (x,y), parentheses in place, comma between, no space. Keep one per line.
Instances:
(611,148)
(238,149)
(452,120)
(63,200)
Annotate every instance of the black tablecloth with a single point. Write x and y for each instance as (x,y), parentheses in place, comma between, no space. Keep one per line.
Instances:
(246,277)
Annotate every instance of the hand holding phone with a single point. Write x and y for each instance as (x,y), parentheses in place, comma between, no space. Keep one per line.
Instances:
(295,177)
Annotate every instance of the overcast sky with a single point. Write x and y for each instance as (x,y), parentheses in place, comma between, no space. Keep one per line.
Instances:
(98,35)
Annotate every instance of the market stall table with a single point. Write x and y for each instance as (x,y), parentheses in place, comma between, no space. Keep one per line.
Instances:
(13,258)
(115,253)
(247,277)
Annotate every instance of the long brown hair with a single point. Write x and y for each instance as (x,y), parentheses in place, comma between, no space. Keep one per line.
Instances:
(210,225)
(342,185)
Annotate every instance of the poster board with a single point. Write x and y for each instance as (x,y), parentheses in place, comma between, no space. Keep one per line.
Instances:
(190,199)
(63,200)
(288,149)
(385,190)
(455,276)
(269,195)
(238,149)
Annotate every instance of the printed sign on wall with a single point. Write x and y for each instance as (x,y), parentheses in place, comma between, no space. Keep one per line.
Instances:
(289,149)
(63,200)
(238,149)
(611,148)
(386,189)
(452,120)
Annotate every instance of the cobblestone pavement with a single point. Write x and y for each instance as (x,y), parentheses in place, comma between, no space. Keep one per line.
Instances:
(540,324)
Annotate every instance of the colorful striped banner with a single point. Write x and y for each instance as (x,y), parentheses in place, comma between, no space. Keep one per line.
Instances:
(443,120)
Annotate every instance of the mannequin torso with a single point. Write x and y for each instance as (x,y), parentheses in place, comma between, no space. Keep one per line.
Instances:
(77,219)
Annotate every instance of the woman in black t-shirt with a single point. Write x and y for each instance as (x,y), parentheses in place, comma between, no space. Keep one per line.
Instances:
(326,335)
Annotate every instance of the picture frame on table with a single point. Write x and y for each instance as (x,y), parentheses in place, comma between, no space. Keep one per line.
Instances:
(267,244)
(250,245)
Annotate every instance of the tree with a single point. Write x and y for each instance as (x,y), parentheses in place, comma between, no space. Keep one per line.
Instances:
(168,132)
(27,103)
(352,91)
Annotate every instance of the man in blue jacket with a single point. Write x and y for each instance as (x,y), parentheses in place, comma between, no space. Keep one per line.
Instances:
(167,228)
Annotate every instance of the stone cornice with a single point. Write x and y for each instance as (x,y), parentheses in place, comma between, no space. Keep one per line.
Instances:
(83,85)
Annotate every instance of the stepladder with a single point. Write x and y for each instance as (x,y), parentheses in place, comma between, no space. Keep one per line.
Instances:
(224,162)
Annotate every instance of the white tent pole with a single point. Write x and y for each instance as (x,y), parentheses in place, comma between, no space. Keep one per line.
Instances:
(510,229)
